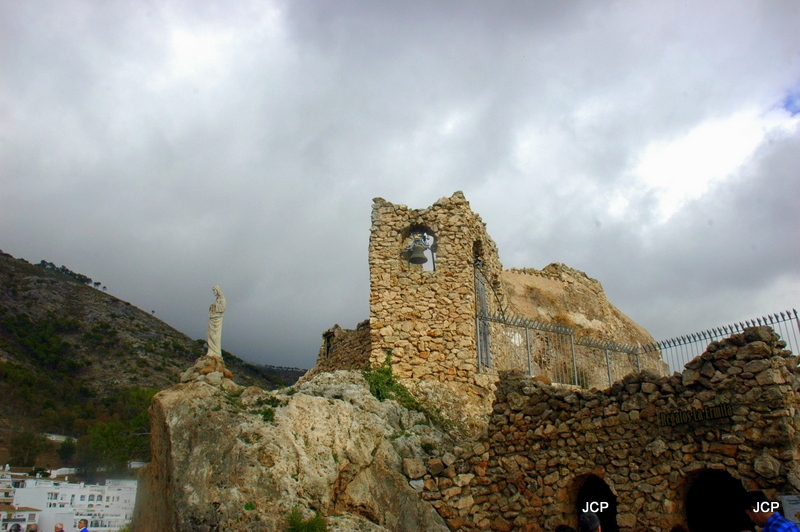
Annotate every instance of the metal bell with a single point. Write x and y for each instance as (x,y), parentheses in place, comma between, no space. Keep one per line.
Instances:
(418,254)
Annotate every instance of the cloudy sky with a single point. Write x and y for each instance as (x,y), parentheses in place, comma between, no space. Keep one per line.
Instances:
(164,147)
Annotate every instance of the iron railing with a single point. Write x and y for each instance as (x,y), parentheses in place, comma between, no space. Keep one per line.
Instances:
(538,348)
(679,350)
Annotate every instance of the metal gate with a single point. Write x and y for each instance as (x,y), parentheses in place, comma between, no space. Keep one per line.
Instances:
(482,322)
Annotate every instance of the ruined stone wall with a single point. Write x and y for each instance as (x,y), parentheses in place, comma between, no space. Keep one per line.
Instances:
(426,319)
(544,442)
(342,349)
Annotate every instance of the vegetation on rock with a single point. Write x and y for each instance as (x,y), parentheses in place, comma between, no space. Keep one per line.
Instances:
(296,523)
(384,385)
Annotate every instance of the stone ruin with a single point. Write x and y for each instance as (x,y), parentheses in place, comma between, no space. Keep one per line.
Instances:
(424,317)
(655,450)
(659,451)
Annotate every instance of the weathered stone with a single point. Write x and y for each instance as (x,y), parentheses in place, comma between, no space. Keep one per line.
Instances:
(758,334)
(690,377)
(754,366)
(463,479)
(626,520)
(417,485)
(770,376)
(766,466)
(435,466)
(414,468)
(501,525)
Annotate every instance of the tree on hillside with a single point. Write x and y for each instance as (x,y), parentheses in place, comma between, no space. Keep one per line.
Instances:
(25,447)
(109,445)
(66,451)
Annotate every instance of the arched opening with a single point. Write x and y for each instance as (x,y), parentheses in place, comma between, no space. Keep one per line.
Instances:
(421,247)
(477,253)
(596,496)
(715,503)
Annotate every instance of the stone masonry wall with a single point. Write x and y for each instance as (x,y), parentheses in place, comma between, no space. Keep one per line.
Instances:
(545,441)
(342,349)
(426,319)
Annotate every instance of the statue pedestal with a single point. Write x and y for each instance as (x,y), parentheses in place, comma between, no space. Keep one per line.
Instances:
(209,368)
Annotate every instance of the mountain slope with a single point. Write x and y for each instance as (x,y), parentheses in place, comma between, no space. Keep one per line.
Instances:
(66,348)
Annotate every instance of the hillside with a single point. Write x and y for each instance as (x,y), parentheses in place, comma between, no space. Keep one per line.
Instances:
(69,352)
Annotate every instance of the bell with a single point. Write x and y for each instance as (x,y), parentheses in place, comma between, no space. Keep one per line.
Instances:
(418,254)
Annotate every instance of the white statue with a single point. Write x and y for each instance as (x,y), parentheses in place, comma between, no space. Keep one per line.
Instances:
(215,312)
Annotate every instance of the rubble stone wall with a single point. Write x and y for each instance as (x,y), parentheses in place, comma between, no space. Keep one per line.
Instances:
(734,409)
(342,349)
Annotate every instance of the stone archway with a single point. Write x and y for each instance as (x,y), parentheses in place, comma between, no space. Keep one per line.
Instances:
(594,489)
(714,503)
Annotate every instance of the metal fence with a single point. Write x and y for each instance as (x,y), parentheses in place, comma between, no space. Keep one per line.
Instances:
(677,351)
(537,348)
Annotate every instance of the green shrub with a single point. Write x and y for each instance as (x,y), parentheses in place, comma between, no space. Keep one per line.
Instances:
(296,523)
(268,414)
(270,400)
(383,386)
(249,506)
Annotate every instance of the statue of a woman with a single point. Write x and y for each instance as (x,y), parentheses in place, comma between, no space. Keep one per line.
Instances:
(215,312)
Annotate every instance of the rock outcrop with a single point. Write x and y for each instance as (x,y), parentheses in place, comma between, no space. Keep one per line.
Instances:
(558,294)
(228,458)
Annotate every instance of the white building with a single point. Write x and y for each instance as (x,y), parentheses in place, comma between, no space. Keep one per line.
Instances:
(18,519)
(6,489)
(107,507)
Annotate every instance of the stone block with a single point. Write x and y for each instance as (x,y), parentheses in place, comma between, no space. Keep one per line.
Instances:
(463,479)
(770,376)
(413,468)
(766,466)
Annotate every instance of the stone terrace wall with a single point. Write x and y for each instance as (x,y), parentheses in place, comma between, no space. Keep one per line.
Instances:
(426,319)
(342,349)
(543,442)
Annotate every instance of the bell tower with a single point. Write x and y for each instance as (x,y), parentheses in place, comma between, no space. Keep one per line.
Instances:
(423,299)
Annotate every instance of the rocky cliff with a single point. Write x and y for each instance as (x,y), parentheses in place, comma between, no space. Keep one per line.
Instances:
(562,295)
(229,458)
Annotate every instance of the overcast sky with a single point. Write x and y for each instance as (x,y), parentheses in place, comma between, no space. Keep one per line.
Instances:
(164,147)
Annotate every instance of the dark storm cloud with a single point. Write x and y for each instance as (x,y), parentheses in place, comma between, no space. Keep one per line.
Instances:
(166,147)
